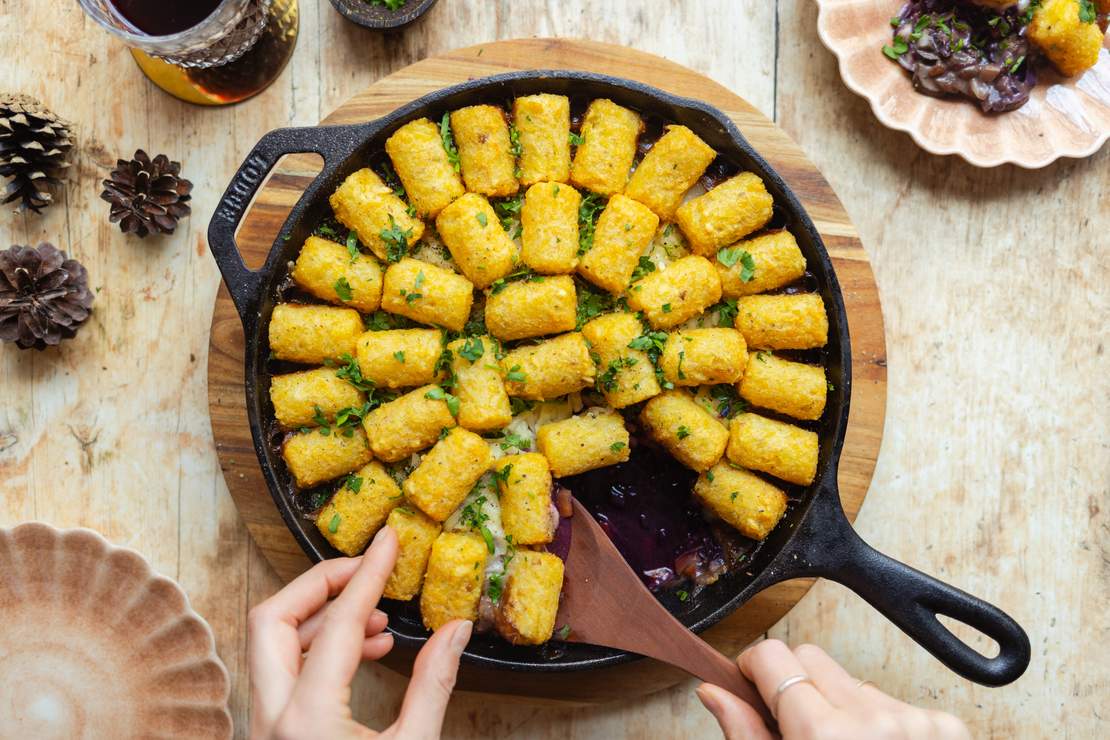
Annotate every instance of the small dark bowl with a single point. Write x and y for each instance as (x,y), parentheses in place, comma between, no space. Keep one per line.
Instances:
(379,17)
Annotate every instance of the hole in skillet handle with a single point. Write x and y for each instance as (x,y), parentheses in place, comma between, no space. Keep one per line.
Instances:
(826,545)
(333,143)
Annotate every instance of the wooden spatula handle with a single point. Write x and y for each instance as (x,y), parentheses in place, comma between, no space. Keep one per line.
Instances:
(702,660)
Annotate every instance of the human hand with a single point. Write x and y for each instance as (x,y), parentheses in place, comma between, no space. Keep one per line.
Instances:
(829,706)
(294,695)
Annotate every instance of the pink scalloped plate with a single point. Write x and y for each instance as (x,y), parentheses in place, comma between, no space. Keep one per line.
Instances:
(1065,117)
(95,644)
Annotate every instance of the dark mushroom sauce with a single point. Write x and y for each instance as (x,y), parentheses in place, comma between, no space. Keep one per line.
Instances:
(954,47)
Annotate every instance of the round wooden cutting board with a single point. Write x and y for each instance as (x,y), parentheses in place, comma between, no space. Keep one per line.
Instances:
(287,182)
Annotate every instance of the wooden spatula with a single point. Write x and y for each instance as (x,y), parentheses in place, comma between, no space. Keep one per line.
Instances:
(605,603)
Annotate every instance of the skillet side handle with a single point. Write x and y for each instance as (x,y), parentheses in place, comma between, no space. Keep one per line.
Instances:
(332,143)
(829,547)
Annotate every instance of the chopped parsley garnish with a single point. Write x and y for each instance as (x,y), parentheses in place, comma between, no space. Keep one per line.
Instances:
(515,375)
(514,148)
(449,142)
(762,355)
(475,517)
(524,274)
(726,400)
(729,256)
(644,267)
(352,373)
(352,245)
(591,303)
(481,218)
(666,308)
(333,525)
(652,341)
(396,241)
(726,312)
(682,594)
(452,401)
(897,48)
(562,632)
(683,431)
(511,440)
(353,483)
(1087,12)
(389,4)
(520,405)
(502,475)
(617,446)
(399,355)
(732,496)
(496,587)
(588,211)
(472,349)
(575,139)
(607,381)
(343,289)
(681,359)
(319,419)
(508,213)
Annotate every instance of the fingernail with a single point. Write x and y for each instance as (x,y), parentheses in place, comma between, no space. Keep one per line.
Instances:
(379,535)
(461,637)
(708,700)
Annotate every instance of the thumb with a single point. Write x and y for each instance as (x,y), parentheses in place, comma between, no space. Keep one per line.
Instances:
(737,719)
(433,679)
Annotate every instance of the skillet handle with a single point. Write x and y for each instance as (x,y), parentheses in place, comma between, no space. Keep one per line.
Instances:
(333,143)
(828,546)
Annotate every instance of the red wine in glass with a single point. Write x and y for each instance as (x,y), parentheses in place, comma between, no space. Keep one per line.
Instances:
(164,17)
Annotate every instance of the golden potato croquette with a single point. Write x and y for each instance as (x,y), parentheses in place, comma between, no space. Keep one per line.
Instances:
(677,293)
(532,308)
(329,272)
(704,356)
(408,424)
(485,153)
(318,455)
(358,509)
(593,439)
(430,180)
(399,358)
(453,582)
(313,334)
(728,212)
(624,231)
(428,294)
(415,535)
(473,234)
(604,158)
(775,257)
(524,482)
(552,368)
(789,321)
(624,375)
(549,228)
(530,600)
(368,206)
(670,168)
(747,502)
(783,450)
(483,403)
(790,388)
(690,433)
(543,126)
(447,473)
(299,398)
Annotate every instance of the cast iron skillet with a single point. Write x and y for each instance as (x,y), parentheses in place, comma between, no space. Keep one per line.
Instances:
(814,538)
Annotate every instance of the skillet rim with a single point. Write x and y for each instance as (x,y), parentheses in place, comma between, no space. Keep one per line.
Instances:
(833,427)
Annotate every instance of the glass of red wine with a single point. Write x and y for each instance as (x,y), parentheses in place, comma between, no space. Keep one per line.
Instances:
(211,52)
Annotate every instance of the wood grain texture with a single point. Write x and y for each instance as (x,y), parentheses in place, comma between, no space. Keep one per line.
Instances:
(993,472)
(271,206)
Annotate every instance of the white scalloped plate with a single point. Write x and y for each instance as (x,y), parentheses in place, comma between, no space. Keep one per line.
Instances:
(94,643)
(1065,117)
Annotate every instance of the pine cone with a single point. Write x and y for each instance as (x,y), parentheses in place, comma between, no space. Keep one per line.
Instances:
(34,145)
(147,195)
(44,297)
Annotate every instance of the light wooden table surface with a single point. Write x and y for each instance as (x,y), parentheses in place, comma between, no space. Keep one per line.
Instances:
(995,470)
